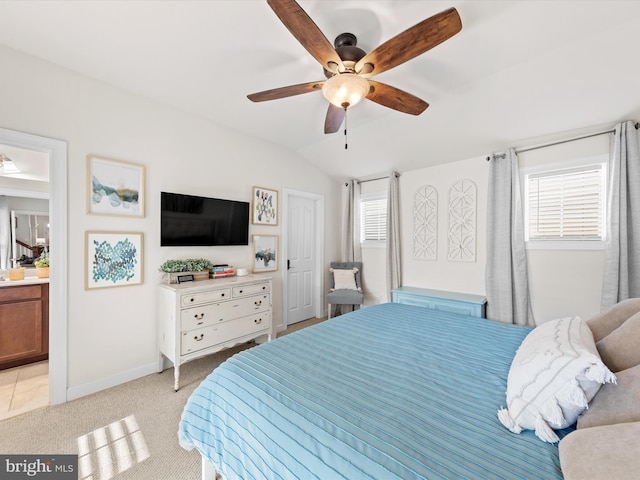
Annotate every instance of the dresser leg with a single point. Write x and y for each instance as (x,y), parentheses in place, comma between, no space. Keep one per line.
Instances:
(160,363)
(176,375)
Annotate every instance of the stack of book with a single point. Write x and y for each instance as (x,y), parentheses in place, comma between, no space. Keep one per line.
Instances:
(222,271)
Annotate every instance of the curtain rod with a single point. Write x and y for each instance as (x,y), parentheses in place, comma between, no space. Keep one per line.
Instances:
(560,142)
(382,177)
(373,179)
(566,140)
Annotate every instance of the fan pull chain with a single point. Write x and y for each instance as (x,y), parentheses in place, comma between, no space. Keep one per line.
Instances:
(346,146)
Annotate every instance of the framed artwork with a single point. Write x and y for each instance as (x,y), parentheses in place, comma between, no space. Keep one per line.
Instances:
(114,187)
(113,259)
(265,253)
(264,206)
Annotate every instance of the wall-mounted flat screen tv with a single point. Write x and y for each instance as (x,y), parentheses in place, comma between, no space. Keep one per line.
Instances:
(188,220)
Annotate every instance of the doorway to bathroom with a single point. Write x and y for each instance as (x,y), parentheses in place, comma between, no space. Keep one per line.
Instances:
(56,150)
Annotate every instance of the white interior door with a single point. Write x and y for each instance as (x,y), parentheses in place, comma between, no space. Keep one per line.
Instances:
(301,255)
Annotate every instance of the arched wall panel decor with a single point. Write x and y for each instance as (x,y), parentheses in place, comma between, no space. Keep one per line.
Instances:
(462,222)
(425,223)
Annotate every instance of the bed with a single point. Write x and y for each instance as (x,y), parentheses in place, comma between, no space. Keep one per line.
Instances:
(391,391)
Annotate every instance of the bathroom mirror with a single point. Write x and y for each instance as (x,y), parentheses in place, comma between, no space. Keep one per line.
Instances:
(30,234)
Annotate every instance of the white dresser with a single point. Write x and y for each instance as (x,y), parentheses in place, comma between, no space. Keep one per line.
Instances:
(199,318)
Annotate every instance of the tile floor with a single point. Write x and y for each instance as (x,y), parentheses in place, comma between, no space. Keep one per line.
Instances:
(23,389)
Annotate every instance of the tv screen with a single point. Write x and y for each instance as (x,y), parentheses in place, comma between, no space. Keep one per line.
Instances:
(188,220)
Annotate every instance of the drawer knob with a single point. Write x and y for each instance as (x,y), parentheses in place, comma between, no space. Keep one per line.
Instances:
(199,316)
(198,338)
(257,320)
(222,294)
(258,303)
(192,299)
(240,291)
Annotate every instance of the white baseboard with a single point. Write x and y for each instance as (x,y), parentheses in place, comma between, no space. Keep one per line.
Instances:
(115,380)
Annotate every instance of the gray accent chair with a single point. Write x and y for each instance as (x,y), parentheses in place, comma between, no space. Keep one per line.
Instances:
(344,296)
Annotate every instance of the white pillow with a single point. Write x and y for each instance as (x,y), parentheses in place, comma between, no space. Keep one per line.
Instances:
(344,279)
(555,373)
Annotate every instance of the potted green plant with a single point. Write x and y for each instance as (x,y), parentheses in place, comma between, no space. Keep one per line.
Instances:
(198,267)
(42,267)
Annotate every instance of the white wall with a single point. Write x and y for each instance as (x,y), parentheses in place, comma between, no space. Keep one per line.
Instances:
(562,282)
(565,282)
(39,189)
(442,274)
(30,204)
(112,332)
(374,280)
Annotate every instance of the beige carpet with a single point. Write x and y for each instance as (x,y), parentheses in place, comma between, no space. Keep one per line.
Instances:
(126,432)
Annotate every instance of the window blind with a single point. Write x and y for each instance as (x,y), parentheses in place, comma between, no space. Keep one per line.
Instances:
(567,204)
(373,218)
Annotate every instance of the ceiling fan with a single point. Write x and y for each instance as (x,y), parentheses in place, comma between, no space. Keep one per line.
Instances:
(348,68)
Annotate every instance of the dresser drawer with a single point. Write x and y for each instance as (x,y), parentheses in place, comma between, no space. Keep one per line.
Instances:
(246,290)
(205,297)
(209,336)
(214,313)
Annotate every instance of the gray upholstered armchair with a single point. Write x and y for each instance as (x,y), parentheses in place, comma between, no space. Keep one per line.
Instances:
(345,285)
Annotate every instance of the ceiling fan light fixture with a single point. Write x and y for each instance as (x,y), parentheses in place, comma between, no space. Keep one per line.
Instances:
(345,89)
(7,165)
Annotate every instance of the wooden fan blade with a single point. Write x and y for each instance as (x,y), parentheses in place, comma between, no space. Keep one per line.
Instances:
(307,33)
(284,92)
(334,118)
(411,43)
(395,98)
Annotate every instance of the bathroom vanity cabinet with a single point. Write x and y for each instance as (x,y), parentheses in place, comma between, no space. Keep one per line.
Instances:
(24,324)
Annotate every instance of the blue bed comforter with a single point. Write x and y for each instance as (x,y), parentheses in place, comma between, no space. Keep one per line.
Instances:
(391,391)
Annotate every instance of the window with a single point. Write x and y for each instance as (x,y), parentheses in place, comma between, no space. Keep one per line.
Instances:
(373,219)
(566,205)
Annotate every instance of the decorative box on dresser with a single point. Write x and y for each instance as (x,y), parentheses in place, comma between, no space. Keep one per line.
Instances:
(196,319)
(452,302)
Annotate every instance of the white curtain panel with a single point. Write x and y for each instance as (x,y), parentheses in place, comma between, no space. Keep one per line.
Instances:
(506,278)
(351,251)
(621,279)
(394,269)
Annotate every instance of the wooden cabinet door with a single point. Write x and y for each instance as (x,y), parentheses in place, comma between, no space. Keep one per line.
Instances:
(21,330)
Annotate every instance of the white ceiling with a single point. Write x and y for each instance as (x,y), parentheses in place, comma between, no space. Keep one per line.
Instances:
(518,72)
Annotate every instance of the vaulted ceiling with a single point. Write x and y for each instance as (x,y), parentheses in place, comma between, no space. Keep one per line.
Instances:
(519,72)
